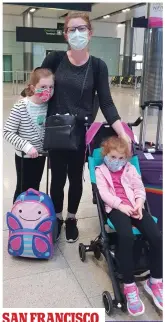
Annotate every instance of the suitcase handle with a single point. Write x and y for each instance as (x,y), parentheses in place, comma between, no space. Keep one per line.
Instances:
(40,154)
(158,104)
(44,154)
(153,102)
(145,108)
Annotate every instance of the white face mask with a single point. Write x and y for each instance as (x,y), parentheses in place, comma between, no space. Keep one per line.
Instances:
(78,40)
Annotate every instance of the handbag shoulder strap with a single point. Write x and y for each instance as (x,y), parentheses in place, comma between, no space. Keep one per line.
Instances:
(83,86)
(86,74)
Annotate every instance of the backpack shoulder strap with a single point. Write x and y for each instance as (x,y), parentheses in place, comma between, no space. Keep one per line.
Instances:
(59,55)
(53,60)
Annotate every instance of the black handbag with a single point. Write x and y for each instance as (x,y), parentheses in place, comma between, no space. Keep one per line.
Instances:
(62,130)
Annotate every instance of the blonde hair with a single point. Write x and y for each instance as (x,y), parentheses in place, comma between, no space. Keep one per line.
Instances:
(73,15)
(35,77)
(116,143)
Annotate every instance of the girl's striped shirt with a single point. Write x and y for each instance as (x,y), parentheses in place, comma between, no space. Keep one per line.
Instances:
(25,127)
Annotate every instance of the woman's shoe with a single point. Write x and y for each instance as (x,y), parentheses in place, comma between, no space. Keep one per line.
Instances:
(60,223)
(72,232)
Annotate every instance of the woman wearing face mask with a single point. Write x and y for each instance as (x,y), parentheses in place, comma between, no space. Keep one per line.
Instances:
(25,129)
(75,66)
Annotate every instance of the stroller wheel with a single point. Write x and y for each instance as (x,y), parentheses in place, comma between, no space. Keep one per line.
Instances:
(82,252)
(108,303)
(97,252)
(124,306)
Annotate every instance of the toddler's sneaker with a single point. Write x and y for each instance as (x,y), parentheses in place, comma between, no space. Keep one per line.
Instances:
(156,291)
(134,304)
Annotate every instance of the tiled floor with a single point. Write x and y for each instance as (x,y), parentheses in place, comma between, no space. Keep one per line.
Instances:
(65,281)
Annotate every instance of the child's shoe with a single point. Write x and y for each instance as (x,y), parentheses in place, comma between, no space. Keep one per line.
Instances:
(134,304)
(156,291)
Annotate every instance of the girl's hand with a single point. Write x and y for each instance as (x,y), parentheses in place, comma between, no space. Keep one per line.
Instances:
(137,212)
(32,153)
(126,209)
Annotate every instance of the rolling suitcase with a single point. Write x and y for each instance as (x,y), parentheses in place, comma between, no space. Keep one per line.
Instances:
(32,224)
(151,164)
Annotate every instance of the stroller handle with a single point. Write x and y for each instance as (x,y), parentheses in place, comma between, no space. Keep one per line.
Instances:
(136,123)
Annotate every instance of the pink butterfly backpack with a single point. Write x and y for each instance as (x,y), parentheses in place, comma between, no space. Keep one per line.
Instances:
(32,225)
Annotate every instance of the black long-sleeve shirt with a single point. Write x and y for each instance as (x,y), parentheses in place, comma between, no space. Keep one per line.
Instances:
(68,85)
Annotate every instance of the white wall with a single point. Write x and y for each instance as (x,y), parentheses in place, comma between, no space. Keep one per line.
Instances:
(138,41)
(120,34)
(45,22)
(140,11)
(139,32)
(100,29)
(104,29)
(13,48)
(11,22)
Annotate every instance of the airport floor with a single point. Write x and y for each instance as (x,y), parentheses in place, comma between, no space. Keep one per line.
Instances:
(65,281)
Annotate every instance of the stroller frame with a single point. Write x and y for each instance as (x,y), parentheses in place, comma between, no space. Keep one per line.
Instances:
(104,244)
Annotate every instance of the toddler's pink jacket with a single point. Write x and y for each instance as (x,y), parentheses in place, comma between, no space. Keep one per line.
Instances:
(130,180)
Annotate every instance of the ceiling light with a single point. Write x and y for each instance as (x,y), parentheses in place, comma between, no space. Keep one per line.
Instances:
(55,9)
(126,10)
(106,17)
(32,9)
(120,25)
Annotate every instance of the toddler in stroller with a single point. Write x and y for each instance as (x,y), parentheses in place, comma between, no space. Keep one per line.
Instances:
(119,189)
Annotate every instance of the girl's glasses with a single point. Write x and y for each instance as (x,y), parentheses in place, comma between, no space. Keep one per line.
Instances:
(79,28)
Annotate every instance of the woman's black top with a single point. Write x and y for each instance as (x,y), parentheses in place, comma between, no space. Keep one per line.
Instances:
(68,85)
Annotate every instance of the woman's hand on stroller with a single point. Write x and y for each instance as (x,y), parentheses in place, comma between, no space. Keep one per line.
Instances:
(126,209)
(128,140)
(126,137)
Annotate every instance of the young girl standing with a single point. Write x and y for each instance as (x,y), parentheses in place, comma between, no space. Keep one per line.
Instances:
(122,190)
(25,129)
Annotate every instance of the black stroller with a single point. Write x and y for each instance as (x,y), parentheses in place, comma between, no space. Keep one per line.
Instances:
(106,243)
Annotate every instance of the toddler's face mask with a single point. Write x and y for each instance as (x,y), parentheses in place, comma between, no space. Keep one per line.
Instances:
(114,165)
(44,93)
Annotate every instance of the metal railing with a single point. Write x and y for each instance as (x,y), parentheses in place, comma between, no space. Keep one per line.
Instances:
(15,81)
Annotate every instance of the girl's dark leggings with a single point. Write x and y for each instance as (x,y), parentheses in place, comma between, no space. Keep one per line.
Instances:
(149,229)
(29,173)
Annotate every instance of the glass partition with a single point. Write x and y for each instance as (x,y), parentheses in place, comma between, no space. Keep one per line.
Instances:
(108,49)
